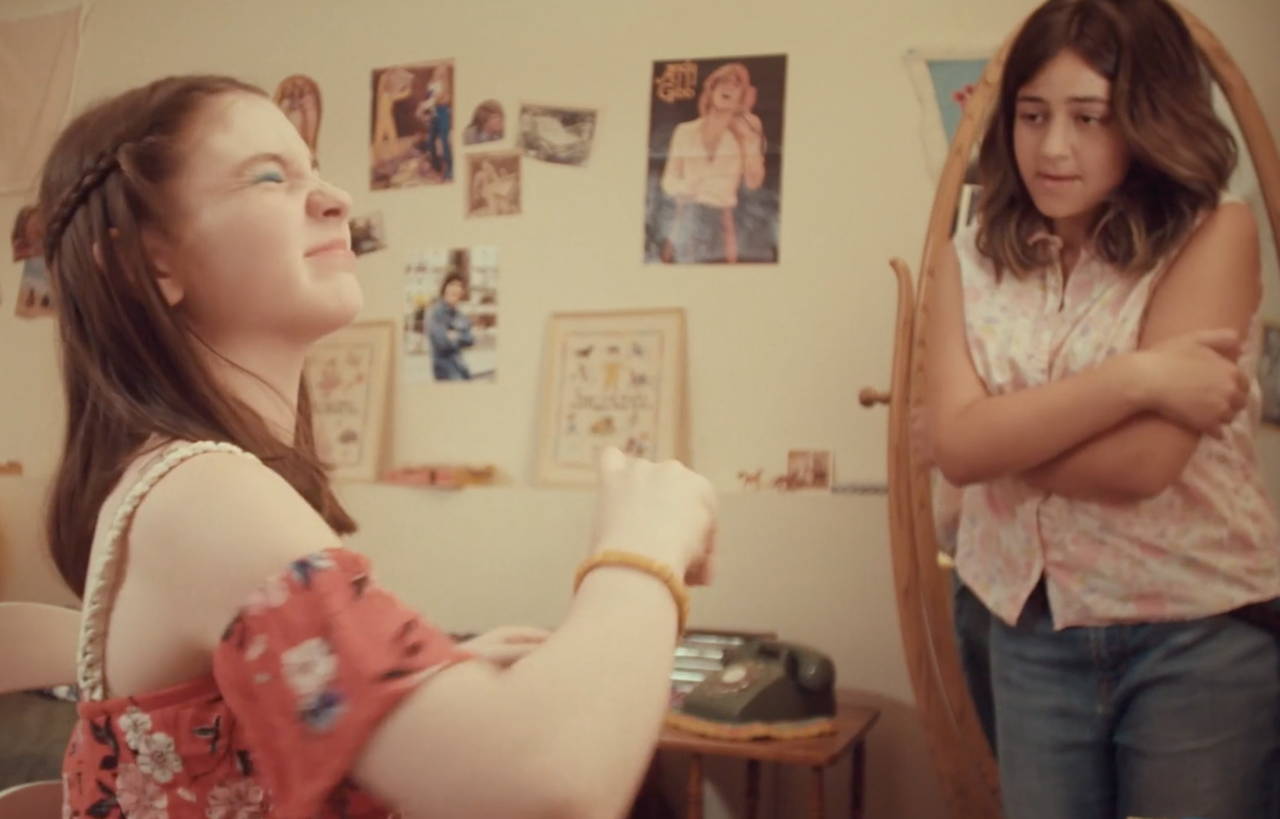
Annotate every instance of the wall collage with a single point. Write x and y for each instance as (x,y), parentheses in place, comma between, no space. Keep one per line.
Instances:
(712,197)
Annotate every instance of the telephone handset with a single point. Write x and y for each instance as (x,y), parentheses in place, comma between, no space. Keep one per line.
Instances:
(810,668)
(767,688)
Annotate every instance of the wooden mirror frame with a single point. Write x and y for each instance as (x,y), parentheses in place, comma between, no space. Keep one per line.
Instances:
(967,771)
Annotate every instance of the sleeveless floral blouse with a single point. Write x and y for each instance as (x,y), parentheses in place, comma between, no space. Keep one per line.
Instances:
(1207,544)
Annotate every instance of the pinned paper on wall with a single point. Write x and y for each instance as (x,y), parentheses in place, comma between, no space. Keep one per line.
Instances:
(35,296)
(556,134)
(412,125)
(493,183)
(714,187)
(26,238)
(367,233)
(944,79)
(451,315)
(488,124)
(299,97)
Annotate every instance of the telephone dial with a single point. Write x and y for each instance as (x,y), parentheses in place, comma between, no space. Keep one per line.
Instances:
(766,689)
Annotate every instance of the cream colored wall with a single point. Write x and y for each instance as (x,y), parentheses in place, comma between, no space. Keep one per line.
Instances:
(776,354)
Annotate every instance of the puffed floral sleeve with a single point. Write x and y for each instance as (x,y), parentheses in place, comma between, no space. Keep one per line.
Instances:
(311,664)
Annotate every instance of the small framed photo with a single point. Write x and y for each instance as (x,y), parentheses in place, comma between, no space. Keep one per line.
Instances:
(809,469)
(611,379)
(348,375)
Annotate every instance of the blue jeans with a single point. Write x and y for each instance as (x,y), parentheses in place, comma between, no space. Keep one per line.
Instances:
(973,638)
(1156,719)
(698,235)
(439,151)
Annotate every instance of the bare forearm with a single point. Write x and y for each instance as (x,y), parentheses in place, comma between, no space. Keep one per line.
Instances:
(1134,460)
(1007,434)
(604,677)
(753,162)
(565,732)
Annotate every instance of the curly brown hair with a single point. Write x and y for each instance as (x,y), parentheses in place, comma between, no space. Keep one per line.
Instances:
(1181,155)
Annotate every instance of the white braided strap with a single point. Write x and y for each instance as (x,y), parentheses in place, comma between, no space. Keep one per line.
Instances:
(101,588)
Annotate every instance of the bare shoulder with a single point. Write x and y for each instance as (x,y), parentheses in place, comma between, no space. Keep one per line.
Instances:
(214,528)
(1215,280)
(1230,220)
(1234,213)
(948,257)
(232,493)
(1224,243)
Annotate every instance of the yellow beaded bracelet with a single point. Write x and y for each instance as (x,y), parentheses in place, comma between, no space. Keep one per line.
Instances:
(631,560)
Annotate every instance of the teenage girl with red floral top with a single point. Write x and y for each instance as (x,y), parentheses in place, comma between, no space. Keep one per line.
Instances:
(235,660)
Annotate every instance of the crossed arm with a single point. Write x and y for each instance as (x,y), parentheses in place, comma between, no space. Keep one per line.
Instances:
(1093,434)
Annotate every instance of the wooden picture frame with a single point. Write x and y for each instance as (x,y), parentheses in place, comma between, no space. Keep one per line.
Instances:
(349,376)
(611,378)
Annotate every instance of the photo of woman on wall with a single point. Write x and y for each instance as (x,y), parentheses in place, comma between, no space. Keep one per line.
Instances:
(715,161)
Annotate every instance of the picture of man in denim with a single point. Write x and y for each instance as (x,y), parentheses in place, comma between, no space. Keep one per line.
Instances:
(449,331)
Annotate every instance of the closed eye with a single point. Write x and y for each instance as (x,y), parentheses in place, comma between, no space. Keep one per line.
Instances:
(269,176)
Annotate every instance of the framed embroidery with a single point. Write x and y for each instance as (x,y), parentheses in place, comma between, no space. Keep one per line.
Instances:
(611,379)
(348,374)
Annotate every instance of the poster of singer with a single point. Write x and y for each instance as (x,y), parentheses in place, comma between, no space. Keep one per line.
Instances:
(714,188)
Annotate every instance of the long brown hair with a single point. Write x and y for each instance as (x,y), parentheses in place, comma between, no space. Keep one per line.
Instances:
(131,365)
(1181,153)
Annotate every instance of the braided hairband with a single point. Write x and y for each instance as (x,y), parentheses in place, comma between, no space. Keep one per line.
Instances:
(71,201)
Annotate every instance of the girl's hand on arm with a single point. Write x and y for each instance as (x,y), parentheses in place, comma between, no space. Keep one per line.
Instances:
(976,436)
(1215,282)
(1194,378)
(569,729)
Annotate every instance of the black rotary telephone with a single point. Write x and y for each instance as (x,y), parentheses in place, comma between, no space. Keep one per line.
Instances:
(766,681)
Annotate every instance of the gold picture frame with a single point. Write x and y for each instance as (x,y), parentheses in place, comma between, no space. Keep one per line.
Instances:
(348,375)
(611,378)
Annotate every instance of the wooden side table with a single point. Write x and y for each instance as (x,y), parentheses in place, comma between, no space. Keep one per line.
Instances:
(817,754)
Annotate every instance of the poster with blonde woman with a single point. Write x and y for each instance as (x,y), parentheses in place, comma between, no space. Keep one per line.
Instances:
(715,160)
